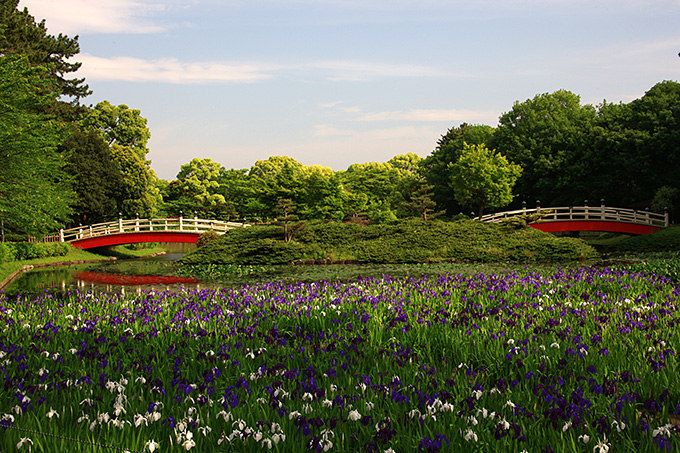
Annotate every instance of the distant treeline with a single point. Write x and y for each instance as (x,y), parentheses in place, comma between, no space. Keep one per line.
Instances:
(626,155)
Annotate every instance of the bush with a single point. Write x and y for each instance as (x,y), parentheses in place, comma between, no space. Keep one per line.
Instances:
(413,241)
(21,251)
(6,253)
(207,237)
(665,240)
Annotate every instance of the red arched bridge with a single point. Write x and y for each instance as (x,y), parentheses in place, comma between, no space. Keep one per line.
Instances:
(176,229)
(588,218)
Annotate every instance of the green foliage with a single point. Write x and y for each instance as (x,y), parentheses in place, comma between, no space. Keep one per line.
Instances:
(7,253)
(35,196)
(666,197)
(435,167)
(482,178)
(665,240)
(137,194)
(522,220)
(219,271)
(207,237)
(420,202)
(546,136)
(668,267)
(120,125)
(96,177)
(22,251)
(196,190)
(21,35)
(414,241)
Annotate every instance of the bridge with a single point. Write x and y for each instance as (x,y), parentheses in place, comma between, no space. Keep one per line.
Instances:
(588,218)
(174,229)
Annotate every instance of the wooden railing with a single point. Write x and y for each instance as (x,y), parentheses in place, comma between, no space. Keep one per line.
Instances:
(191,225)
(571,213)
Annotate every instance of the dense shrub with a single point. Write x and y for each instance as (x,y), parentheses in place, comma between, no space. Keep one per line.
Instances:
(6,253)
(665,240)
(414,241)
(207,237)
(19,251)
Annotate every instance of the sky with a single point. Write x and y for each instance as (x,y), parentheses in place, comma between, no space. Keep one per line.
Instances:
(338,82)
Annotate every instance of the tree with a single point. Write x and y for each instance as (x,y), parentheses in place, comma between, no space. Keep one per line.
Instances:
(421,202)
(483,178)
(35,195)
(120,125)
(235,188)
(96,177)
(657,115)
(435,167)
(138,193)
(195,189)
(322,195)
(286,211)
(375,179)
(546,135)
(21,35)
(278,177)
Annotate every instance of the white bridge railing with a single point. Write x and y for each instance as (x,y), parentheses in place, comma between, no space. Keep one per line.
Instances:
(602,213)
(189,225)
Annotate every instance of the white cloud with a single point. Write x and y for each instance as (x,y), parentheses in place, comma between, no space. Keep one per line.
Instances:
(168,70)
(361,70)
(172,70)
(328,130)
(96,16)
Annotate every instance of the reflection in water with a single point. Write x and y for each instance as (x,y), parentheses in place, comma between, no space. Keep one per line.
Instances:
(115,277)
(132,280)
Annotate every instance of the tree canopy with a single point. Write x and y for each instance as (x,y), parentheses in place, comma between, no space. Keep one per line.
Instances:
(121,125)
(35,196)
(483,178)
(20,34)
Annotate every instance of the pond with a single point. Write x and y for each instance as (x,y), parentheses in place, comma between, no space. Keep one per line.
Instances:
(120,276)
(161,273)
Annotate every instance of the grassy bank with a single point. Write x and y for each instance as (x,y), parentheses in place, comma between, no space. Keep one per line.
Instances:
(406,242)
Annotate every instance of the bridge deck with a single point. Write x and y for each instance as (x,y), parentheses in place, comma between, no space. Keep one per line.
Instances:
(175,229)
(586,218)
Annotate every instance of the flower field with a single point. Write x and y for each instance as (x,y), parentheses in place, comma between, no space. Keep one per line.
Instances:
(578,360)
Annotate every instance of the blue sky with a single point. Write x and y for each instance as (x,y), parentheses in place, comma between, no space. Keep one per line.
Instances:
(336,82)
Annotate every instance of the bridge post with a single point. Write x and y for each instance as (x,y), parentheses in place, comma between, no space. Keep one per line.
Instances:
(137,223)
(180,220)
(120,222)
(524,208)
(195,221)
(602,209)
(665,216)
(61,235)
